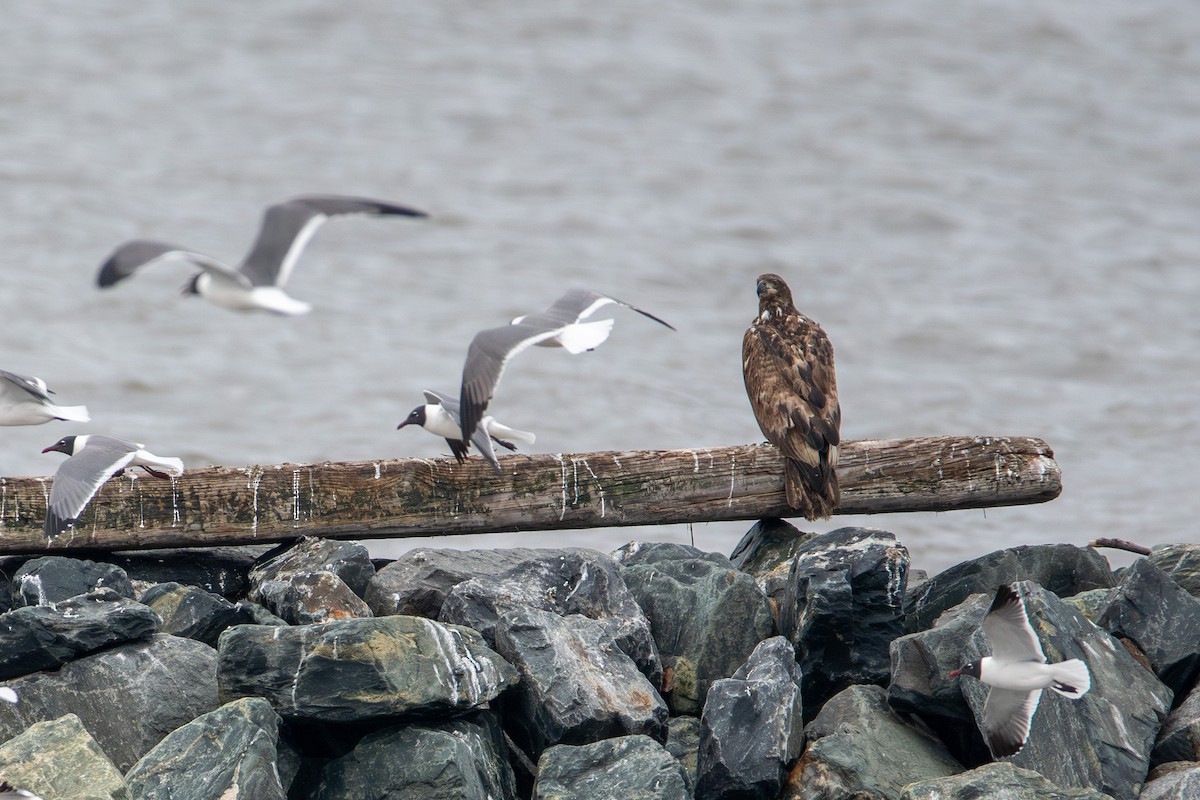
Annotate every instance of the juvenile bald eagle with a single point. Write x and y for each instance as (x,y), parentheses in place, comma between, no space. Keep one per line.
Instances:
(787,363)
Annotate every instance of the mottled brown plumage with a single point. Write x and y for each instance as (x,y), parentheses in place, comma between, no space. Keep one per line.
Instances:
(787,363)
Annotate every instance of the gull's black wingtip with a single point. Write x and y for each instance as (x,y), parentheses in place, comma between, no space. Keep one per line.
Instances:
(1005,747)
(1005,596)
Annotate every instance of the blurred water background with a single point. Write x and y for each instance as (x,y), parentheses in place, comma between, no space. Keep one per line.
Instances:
(993,209)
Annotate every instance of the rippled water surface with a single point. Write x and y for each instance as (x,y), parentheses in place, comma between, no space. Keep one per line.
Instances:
(992,208)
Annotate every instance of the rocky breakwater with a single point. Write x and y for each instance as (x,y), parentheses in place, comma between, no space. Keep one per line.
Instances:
(805,667)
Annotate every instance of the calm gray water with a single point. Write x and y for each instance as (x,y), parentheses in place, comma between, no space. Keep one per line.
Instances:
(993,208)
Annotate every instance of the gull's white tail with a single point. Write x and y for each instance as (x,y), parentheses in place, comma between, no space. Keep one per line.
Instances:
(72,413)
(168,463)
(583,336)
(511,434)
(1071,678)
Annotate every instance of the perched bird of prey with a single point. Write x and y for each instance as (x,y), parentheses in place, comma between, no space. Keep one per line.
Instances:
(93,460)
(557,326)
(1017,673)
(439,416)
(787,364)
(26,401)
(258,283)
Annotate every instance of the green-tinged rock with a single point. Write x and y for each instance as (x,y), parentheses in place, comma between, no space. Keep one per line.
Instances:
(996,781)
(192,612)
(128,697)
(464,759)
(1091,603)
(859,747)
(361,669)
(706,616)
(625,768)
(39,637)
(49,579)
(59,759)
(228,753)
(683,742)
(576,685)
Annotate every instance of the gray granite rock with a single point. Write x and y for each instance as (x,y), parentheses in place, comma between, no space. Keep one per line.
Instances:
(752,726)
(766,552)
(1181,562)
(192,612)
(570,581)
(39,637)
(706,616)
(1063,569)
(361,669)
(462,759)
(41,581)
(305,598)
(418,581)
(997,781)
(1179,738)
(350,561)
(624,768)
(58,759)
(859,747)
(229,752)
(1156,614)
(128,697)
(1102,740)
(842,609)
(1174,781)
(576,685)
(920,684)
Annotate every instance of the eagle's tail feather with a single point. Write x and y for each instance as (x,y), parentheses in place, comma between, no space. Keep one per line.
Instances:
(814,492)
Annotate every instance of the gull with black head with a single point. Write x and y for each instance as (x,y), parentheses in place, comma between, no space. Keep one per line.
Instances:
(258,283)
(439,416)
(25,400)
(1016,673)
(93,459)
(560,325)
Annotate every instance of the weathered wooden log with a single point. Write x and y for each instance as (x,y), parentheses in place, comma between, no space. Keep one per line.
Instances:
(422,497)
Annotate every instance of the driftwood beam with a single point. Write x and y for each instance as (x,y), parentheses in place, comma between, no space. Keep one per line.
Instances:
(425,497)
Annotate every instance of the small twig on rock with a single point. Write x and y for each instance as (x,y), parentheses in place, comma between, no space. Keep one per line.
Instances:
(1120,544)
(529,766)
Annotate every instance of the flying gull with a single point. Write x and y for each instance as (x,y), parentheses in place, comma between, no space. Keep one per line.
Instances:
(1017,673)
(26,401)
(439,416)
(557,326)
(93,460)
(258,283)
(10,792)
(787,365)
